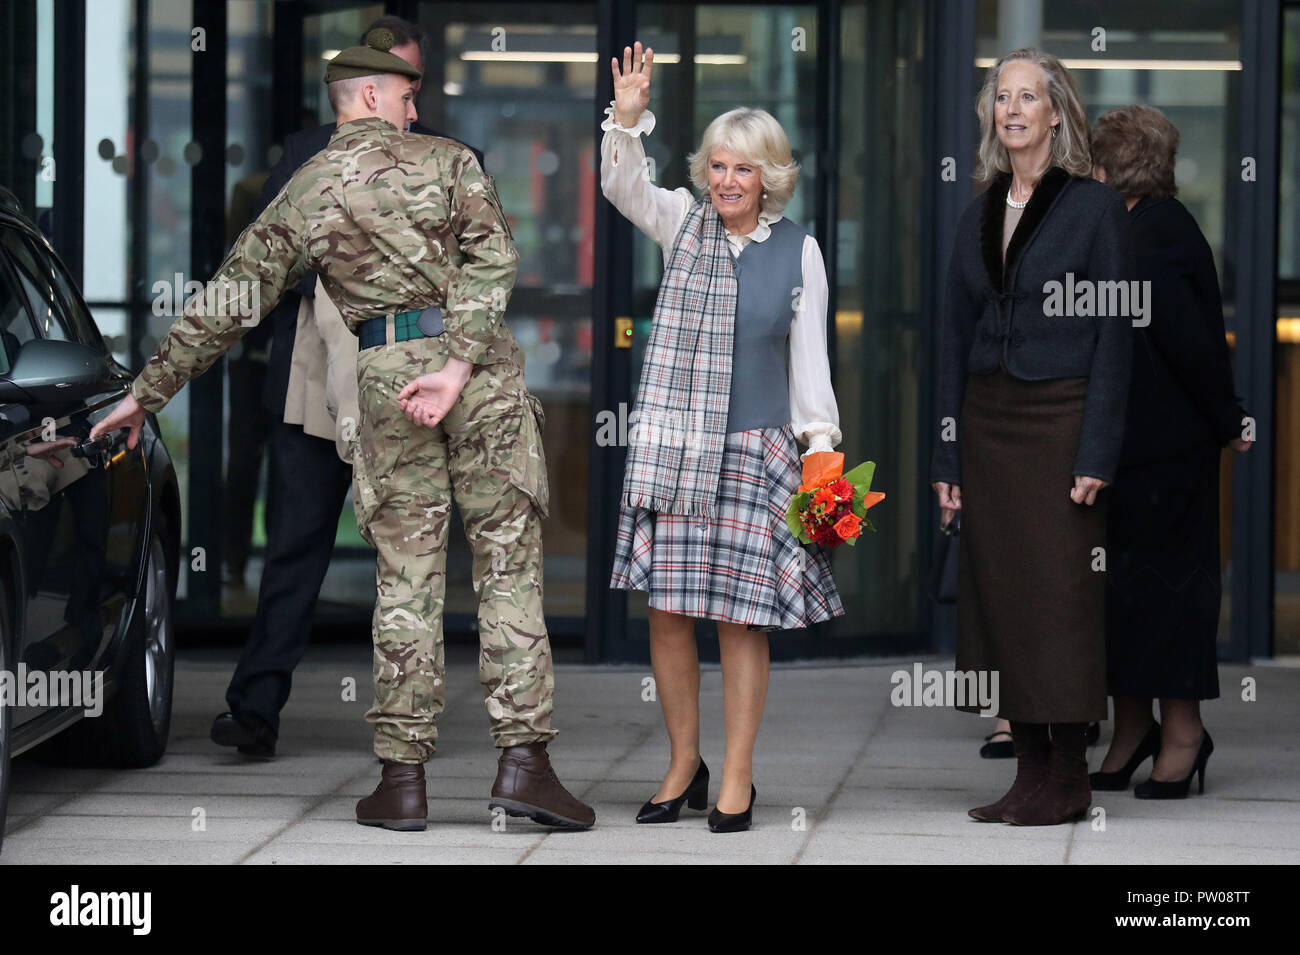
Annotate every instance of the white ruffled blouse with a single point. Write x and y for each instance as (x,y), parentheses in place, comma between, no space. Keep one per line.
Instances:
(659,213)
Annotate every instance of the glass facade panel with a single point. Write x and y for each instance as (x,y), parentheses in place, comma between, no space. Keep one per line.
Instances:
(522,92)
(881,331)
(247,163)
(107,228)
(518,81)
(1286,553)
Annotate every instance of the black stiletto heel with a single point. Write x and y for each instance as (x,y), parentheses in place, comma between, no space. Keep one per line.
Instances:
(1149,747)
(1178,788)
(696,796)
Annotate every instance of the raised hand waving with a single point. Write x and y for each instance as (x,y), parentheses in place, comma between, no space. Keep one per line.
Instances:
(632,84)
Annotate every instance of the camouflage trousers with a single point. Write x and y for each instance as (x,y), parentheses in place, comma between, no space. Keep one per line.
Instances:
(486,455)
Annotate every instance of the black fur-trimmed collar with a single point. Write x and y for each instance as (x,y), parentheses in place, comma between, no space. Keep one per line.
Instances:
(993,215)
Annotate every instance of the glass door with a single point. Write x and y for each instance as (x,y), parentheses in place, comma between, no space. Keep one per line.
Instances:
(517,82)
(710,58)
(257,86)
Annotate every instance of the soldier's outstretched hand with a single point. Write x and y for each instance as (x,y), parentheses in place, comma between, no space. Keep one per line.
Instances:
(128,414)
(427,400)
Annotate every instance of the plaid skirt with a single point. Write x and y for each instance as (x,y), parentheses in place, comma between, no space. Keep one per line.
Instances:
(742,566)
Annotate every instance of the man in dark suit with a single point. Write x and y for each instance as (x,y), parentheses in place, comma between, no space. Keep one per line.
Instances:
(307,484)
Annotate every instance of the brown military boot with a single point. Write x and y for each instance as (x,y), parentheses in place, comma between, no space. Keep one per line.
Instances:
(399,801)
(527,786)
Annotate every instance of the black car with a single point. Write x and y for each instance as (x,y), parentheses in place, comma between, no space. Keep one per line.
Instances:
(89,532)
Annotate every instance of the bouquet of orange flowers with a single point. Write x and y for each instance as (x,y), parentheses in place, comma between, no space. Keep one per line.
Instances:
(830,507)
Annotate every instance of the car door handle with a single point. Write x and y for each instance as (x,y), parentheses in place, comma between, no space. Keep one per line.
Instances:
(93,449)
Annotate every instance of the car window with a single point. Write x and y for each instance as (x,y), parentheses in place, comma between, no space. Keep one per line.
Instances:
(79,319)
(15,321)
(47,308)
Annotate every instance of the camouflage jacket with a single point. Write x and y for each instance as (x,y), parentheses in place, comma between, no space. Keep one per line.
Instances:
(392,221)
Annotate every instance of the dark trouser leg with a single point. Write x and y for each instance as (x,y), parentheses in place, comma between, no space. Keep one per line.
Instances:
(306,487)
(250,425)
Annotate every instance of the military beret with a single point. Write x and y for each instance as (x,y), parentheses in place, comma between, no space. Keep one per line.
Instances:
(369,59)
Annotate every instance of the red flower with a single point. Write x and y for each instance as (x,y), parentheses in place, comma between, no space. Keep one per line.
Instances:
(827,537)
(848,527)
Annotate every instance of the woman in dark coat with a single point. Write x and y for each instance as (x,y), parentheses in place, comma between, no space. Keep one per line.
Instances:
(1034,372)
(1163,581)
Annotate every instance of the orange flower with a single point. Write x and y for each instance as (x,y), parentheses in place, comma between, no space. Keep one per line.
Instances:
(848,527)
(824,496)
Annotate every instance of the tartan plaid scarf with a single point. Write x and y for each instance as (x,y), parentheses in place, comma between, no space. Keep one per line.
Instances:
(678,424)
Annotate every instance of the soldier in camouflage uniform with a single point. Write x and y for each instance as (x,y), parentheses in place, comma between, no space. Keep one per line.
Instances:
(411,244)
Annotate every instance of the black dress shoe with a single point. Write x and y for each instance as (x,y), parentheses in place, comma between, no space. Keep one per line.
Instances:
(696,796)
(1118,780)
(253,738)
(1178,788)
(998,748)
(733,821)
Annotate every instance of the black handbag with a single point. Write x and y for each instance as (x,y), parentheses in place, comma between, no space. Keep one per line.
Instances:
(943,574)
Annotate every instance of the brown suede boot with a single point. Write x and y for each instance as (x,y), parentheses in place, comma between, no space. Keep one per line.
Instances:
(1065,794)
(399,801)
(1032,749)
(526,785)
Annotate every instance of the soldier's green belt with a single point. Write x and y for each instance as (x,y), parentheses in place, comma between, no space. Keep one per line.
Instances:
(424,323)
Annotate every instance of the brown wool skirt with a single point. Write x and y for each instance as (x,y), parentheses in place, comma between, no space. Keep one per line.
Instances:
(1029,603)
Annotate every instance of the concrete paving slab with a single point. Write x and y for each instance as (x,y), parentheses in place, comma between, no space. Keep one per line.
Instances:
(843,777)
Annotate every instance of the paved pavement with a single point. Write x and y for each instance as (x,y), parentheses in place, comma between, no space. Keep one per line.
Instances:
(842,775)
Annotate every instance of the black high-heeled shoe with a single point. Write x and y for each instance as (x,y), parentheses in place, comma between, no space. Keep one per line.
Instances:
(1178,788)
(1149,747)
(733,821)
(998,748)
(696,796)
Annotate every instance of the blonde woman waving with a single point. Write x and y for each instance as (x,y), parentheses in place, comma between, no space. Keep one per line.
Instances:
(735,371)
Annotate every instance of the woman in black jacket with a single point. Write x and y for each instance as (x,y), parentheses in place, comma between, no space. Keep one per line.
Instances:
(1163,583)
(1034,370)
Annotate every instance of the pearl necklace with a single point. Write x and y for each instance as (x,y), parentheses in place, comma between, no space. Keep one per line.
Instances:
(1014,204)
